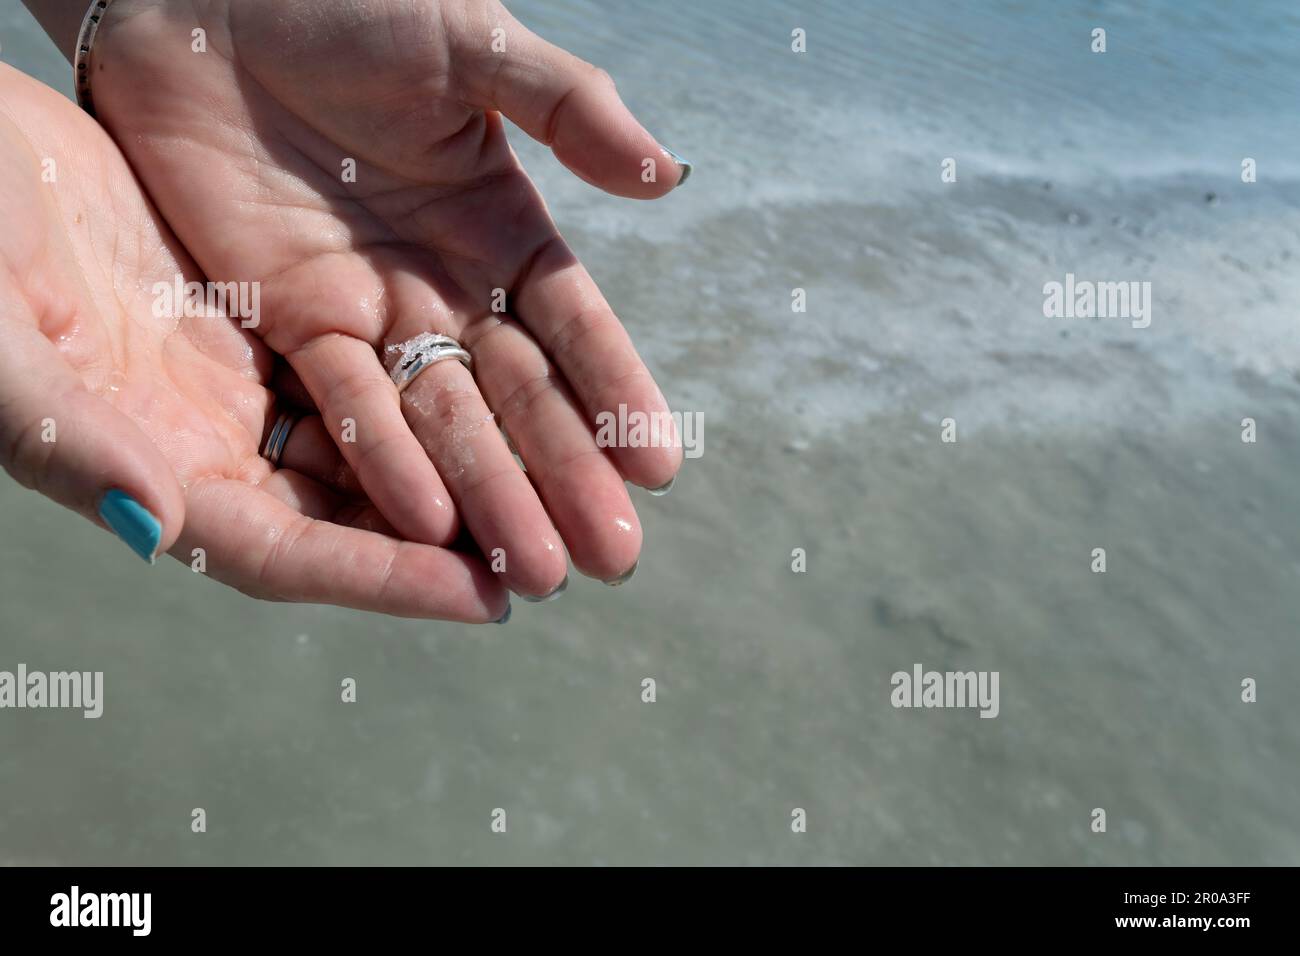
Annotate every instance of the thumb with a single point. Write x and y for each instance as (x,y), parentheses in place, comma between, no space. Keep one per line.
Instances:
(77,449)
(565,103)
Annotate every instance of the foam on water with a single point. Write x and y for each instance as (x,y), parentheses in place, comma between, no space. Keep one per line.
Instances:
(927,296)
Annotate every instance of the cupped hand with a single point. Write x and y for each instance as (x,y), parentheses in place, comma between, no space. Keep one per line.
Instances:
(352,159)
(101,397)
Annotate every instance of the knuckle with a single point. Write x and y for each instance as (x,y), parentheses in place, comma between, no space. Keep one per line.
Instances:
(526,394)
(577,327)
(598,76)
(27,456)
(446,406)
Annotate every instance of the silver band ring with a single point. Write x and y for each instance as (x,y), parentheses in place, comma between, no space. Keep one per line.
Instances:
(279,437)
(425,350)
(81,56)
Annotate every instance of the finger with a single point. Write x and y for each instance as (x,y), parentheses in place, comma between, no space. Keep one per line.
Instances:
(564,102)
(266,549)
(583,492)
(495,498)
(77,449)
(311,451)
(563,308)
(361,410)
(288,386)
(363,516)
(315,500)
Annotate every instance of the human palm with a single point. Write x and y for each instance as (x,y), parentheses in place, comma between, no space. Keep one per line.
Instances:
(99,385)
(351,159)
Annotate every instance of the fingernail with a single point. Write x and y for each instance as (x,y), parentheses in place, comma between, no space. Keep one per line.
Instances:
(684,163)
(132,522)
(548,597)
(663,489)
(623,578)
(506,616)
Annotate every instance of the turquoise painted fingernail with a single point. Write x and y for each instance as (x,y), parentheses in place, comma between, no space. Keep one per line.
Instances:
(132,522)
(506,616)
(681,161)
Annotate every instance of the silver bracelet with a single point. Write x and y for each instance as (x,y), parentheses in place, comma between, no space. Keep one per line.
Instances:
(81,60)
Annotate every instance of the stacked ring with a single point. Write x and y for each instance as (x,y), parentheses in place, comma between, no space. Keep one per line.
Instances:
(423,351)
(279,437)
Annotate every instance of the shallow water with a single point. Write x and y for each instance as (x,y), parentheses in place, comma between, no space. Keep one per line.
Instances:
(817,171)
